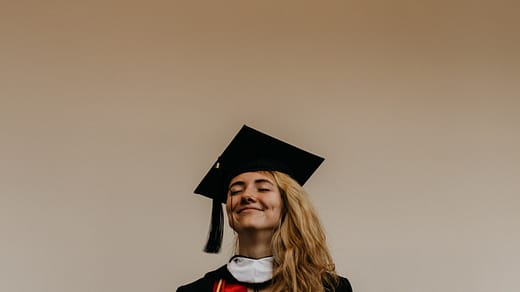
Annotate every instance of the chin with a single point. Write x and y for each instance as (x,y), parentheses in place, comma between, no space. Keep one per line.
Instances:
(253,227)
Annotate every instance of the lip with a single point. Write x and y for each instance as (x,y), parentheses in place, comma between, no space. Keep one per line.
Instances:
(248,209)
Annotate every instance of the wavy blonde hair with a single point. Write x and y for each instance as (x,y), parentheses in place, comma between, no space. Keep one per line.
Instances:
(302,261)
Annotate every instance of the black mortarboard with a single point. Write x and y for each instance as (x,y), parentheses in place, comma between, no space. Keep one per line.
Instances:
(250,150)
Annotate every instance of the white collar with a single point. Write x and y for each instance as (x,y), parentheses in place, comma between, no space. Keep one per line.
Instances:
(251,270)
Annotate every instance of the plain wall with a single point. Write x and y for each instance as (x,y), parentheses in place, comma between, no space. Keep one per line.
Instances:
(112,111)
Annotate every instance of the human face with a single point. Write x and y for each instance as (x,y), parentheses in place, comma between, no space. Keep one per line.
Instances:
(254,202)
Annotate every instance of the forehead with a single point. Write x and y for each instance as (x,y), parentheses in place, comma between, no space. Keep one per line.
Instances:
(253,176)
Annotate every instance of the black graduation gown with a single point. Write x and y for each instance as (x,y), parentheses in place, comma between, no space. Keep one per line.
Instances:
(205,284)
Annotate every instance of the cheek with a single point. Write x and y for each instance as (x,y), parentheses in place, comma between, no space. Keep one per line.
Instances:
(277,206)
(229,212)
(279,211)
(231,204)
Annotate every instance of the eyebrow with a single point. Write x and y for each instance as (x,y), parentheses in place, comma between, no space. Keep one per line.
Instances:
(257,181)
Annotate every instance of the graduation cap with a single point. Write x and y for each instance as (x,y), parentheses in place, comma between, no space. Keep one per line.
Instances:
(250,150)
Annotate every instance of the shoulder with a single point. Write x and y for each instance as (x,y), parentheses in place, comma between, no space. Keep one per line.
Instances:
(343,285)
(203,284)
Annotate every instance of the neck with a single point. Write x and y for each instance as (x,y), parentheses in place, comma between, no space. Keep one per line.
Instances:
(255,244)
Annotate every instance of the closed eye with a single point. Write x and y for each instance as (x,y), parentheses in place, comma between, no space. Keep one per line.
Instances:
(234,192)
(236,188)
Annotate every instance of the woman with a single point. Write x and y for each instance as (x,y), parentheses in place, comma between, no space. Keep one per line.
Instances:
(280,242)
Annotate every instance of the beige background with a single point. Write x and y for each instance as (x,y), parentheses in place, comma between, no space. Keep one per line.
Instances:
(112,111)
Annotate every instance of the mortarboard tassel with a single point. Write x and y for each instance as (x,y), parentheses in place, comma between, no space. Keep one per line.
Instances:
(216,228)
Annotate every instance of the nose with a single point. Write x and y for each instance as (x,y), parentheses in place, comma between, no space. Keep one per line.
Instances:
(248,196)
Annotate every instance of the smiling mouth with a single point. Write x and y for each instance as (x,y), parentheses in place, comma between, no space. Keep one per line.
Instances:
(248,210)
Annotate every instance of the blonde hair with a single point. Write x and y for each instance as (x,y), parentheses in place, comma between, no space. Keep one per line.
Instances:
(302,261)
